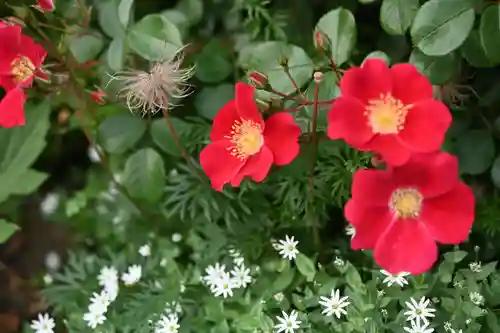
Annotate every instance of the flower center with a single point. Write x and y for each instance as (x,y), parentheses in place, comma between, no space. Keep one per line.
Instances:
(22,69)
(386,115)
(406,203)
(246,137)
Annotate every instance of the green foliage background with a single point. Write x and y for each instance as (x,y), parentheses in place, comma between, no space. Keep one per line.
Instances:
(455,43)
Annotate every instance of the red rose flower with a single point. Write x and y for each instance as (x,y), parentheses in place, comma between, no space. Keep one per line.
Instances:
(402,212)
(45,5)
(12,109)
(243,144)
(20,58)
(388,110)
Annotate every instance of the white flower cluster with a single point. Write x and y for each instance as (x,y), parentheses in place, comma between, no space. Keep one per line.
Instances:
(99,302)
(417,315)
(221,282)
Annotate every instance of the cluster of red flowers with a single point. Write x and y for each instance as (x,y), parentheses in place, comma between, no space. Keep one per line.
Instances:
(20,63)
(399,212)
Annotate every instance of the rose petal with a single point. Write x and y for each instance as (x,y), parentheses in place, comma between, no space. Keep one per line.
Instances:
(245,103)
(281,136)
(408,85)
(407,246)
(372,187)
(346,120)
(393,152)
(432,174)
(9,44)
(449,217)
(370,223)
(425,126)
(367,82)
(12,109)
(224,121)
(257,167)
(219,165)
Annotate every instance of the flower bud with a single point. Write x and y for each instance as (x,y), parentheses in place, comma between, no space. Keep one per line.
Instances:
(45,5)
(257,79)
(320,41)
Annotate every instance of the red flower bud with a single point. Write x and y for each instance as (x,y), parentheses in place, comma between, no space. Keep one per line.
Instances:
(98,96)
(257,79)
(45,5)
(320,40)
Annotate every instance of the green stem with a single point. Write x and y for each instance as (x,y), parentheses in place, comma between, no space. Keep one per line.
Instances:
(314,142)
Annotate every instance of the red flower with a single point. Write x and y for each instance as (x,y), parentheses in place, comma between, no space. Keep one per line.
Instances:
(389,111)
(20,58)
(98,96)
(401,213)
(244,145)
(12,109)
(45,5)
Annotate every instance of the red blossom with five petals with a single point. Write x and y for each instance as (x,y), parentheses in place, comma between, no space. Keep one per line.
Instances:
(390,111)
(12,109)
(243,144)
(402,212)
(20,59)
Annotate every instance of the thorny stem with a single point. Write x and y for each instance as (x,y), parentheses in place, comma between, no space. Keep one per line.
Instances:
(80,93)
(335,69)
(291,98)
(294,83)
(178,142)
(314,142)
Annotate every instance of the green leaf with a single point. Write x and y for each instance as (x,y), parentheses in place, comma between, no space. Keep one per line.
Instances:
(109,19)
(144,175)
(305,266)
(119,133)
(378,55)
(441,26)
(211,99)
(489,31)
(21,146)
(486,270)
(353,279)
(7,229)
(179,19)
(437,69)
(115,55)
(124,11)
(283,280)
(475,151)
(193,9)
(213,64)
(396,15)
(85,45)
(163,137)
(455,256)
(265,58)
(340,27)
(75,204)
(495,172)
(473,51)
(155,38)
(29,182)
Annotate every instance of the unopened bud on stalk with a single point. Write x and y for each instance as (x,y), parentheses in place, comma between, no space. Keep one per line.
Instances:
(283,61)
(12,20)
(320,41)
(318,77)
(257,79)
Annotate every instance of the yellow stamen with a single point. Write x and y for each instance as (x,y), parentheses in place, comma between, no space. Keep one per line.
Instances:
(386,115)
(406,203)
(247,139)
(22,69)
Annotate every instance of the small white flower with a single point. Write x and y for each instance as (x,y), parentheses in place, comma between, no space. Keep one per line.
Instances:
(279,297)
(182,288)
(241,277)
(287,323)
(44,324)
(338,262)
(384,312)
(50,203)
(224,286)
(468,321)
(94,319)
(419,311)
(214,274)
(475,266)
(288,248)
(145,250)
(334,305)
(458,331)
(447,326)
(458,284)
(167,324)
(177,237)
(99,302)
(107,275)
(476,298)
(380,293)
(163,262)
(112,290)
(52,261)
(350,231)
(398,279)
(133,275)
(238,259)
(417,327)
(47,279)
